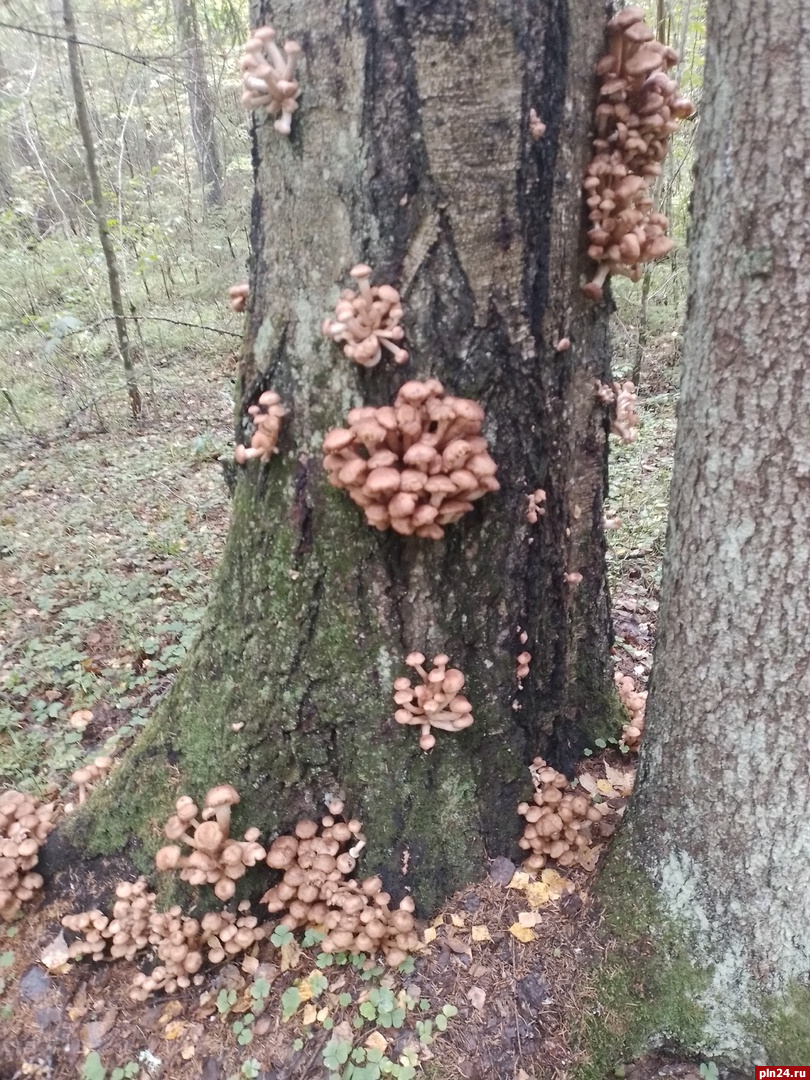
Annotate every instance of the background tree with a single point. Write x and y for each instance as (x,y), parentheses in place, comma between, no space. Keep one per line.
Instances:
(200,102)
(718,829)
(411,151)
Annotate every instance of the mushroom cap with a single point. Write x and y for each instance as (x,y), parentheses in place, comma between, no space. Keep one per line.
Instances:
(222,795)
(361,270)
(168,857)
(209,836)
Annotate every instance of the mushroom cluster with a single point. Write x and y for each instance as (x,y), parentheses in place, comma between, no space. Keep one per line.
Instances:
(559,822)
(367,321)
(315,891)
(182,944)
(267,417)
(24,824)
(90,774)
(638,110)
(217,859)
(523,661)
(268,77)
(635,701)
(416,466)
(625,420)
(435,702)
(535,506)
(237,296)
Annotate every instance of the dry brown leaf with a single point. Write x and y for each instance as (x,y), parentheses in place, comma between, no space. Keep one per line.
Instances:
(55,955)
(174,1029)
(604,787)
(173,1008)
(477,997)
(377,1041)
(522,933)
(481,933)
(310,1014)
(322,1014)
(430,934)
(249,964)
(456,946)
(457,920)
(587,783)
(520,880)
(438,921)
(188,1052)
(290,955)
(621,779)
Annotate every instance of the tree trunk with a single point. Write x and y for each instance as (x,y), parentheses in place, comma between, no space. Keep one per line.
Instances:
(200,103)
(100,208)
(719,821)
(411,151)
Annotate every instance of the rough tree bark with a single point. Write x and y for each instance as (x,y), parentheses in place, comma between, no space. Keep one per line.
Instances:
(200,103)
(100,209)
(719,822)
(410,151)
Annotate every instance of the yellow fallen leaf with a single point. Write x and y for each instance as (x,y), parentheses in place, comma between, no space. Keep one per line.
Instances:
(522,933)
(604,787)
(174,1029)
(173,1008)
(187,1053)
(322,1014)
(520,880)
(290,955)
(438,921)
(481,933)
(557,884)
(528,918)
(538,893)
(377,1041)
(310,1014)
(457,920)
(305,990)
(431,933)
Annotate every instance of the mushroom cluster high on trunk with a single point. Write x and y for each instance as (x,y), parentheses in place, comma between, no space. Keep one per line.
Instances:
(635,701)
(268,77)
(436,702)
(182,944)
(315,891)
(416,466)
(560,821)
(367,321)
(217,858)
(639,108)
(25,822)
(625,419)
(267,417)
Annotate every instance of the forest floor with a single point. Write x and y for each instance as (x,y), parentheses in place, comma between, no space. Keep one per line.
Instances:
(108,542)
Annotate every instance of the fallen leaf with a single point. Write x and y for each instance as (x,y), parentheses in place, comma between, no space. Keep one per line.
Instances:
(604,787)
(174,1029)
(310,1014)
(94,1034)
(377,1041)
(477,997)
(55,955)
(187,1053)
(538,894)
(456,946)
(438,921)
(173,1008)
(587,783)
(522,933)
(522,1075)
(520,880)
(322,1014)
(457,920)
(78,1007)
(249,964)
(501,870)
(290,955)
(431,933)
(528,918)
(481,933)
(621,779)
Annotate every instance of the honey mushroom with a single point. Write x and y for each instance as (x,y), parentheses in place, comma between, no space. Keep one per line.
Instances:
(25,822)
(414,467)
(639,109)
(238,295)
(316,891)
(535,506)
(268,77)
(182,944)
(560,822)
(523,661)
(436,702)
(635,701)
(266,416)
(367,321)
(90,774)
(216,859)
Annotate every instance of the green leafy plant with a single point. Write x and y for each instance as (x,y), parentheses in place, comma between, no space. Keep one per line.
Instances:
(709,1071)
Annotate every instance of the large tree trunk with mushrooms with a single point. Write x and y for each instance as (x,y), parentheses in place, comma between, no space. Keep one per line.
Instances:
(718,832)
(412,151)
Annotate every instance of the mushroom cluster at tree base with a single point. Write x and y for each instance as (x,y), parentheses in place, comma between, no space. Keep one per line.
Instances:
(316,891)
(238,296)
(414,467)
(560,822)
(216,858)
(436,702)
(268,77)
(639,109)
(25,822)
(635,701)
(367,321)
(267,417)
(182,944)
